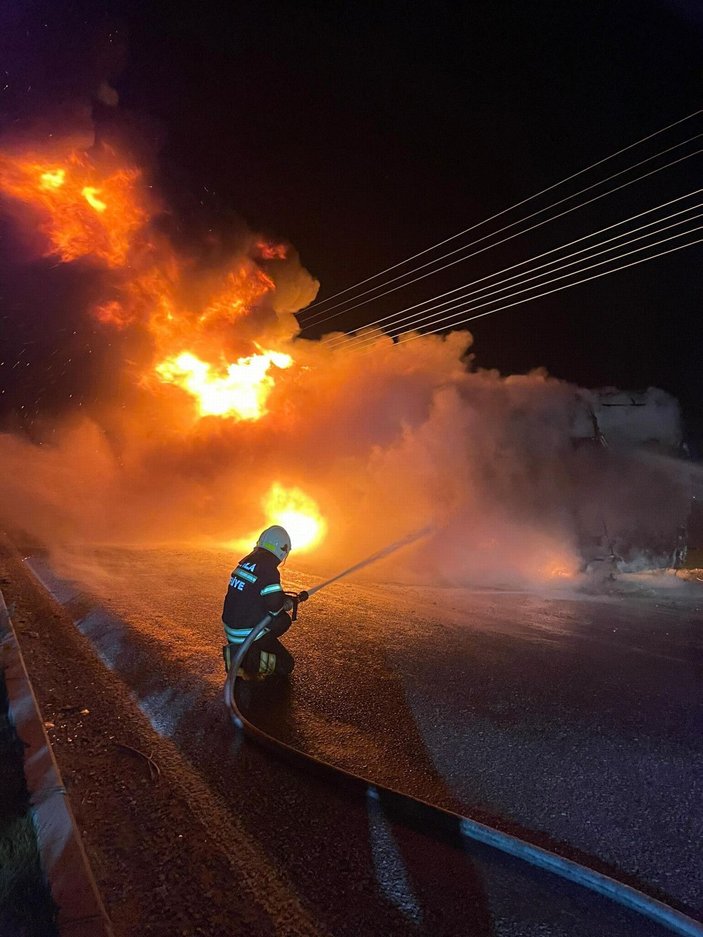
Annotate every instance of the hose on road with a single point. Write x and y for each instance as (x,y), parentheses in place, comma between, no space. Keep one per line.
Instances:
(436,819)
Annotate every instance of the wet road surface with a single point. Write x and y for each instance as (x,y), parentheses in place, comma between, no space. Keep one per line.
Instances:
(571,721)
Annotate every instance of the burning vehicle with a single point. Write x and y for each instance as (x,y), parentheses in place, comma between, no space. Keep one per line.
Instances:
(212,416)
(608,425)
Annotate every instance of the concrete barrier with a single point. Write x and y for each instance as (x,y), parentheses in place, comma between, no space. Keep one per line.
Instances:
(63,858)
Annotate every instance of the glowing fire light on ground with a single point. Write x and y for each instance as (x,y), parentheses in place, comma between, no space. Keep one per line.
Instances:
(239,390)
(560,569)
(298,513)
(293,509)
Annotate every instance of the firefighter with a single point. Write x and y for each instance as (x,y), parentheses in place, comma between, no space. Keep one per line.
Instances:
(255,591)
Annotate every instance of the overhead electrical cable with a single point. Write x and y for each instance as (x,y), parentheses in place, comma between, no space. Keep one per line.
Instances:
(583,255)
(406,337)
(470,306)
(510,208)
(513,224)
(504,211)
(392,318)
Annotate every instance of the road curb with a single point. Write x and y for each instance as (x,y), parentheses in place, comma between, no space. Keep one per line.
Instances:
(63,858)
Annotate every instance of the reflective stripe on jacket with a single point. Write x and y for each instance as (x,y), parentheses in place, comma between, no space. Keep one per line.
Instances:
(254,591)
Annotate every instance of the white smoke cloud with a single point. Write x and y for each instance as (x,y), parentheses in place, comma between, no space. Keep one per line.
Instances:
(511,472)
(386,442)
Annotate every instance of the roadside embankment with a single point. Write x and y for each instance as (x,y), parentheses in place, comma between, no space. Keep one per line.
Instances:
(154,865)
(25,900)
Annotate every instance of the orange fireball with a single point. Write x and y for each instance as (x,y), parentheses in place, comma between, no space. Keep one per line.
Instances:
(298,513)
(239,390)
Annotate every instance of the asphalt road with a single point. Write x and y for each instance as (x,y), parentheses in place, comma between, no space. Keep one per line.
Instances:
(573,721)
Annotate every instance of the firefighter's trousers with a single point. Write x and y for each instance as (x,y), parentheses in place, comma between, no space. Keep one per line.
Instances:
(266,656)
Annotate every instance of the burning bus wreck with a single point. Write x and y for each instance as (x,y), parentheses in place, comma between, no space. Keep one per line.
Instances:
(609,427)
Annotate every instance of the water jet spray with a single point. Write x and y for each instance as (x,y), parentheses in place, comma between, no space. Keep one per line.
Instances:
(374,558)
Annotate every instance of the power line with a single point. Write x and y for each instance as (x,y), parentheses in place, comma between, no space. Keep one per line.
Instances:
(460,302)
(469,307)
(453,312)
(512,225)
(415,335)
(520,221)
(510,208)
(522,263)
(564,286)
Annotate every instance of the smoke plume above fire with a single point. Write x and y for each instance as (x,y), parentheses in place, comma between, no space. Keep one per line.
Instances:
(216,418)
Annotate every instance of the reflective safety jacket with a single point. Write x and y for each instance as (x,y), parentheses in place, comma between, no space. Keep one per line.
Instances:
(254,591)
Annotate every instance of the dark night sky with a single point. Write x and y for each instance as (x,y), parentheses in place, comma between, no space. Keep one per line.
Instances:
(364,132)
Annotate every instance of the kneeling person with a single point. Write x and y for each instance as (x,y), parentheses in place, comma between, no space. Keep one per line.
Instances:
(255,591)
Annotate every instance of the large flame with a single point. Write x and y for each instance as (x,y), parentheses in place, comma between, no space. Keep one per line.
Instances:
(192,335)
(239,390)
(85,209)
(197,324)
(95,204)
(293,509)
(298,513)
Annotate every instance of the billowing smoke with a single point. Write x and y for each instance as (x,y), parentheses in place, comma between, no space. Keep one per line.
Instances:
(213,401)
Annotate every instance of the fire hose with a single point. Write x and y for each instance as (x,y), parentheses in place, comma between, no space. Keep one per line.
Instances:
(446,822)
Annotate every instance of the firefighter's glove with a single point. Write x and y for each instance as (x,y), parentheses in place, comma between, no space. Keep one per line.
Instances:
(303,596)
(288,605)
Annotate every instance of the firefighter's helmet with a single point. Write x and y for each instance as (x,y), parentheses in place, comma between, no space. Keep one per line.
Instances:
(276,540)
